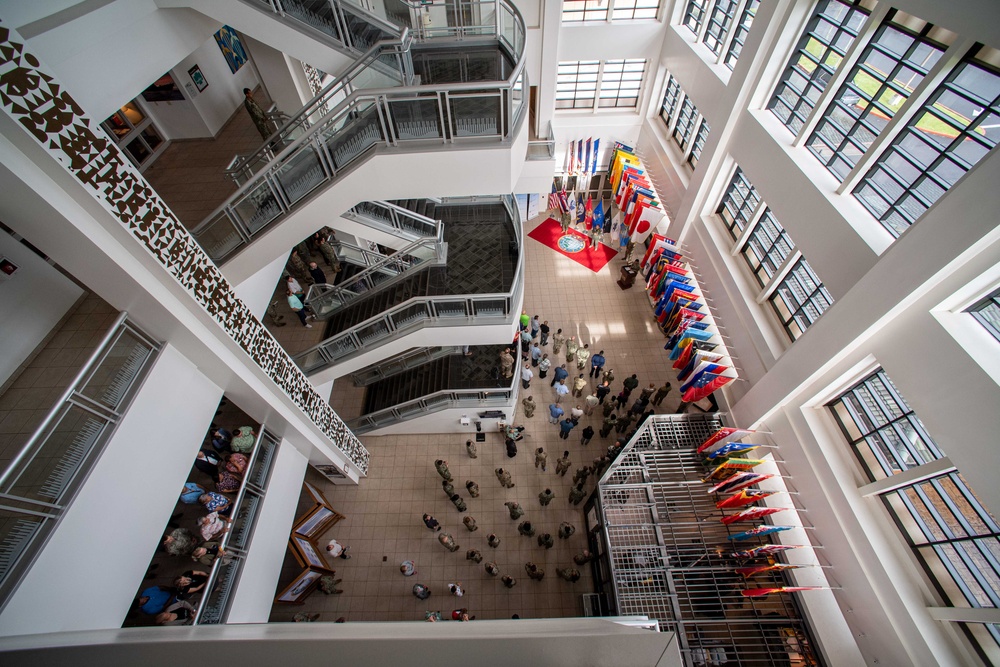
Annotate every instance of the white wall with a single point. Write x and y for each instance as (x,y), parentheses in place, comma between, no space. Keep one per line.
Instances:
(87,575)
(34,300)
(257,290)
(281,75)
(203,114)
(259,576)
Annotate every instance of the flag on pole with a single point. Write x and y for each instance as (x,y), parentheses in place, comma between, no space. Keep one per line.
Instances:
(553,198)
(593,165)
(579,156)
(761,592)
(581,213)
(571,205)
(759,531)
(751,514)
(588,213)
(723,469)
(587,169)
(738,482)
(754,570)
(743,498)
(599,214)
(765,550)
(723,436)
(732,448)
(570,163)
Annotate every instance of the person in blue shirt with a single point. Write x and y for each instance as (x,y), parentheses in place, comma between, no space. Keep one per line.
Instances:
(536,354)
(555,412)
(596,364)
(154,599)
(565,426)
(559,374)
(191,493)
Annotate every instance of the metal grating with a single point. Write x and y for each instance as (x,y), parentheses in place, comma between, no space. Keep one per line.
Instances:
(667,556)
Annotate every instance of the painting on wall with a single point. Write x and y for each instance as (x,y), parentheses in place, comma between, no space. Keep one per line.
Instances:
(198,78)
(163,89)
(232,48)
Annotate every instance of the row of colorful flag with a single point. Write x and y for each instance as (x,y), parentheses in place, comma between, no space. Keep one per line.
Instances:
(584,212)
(681,312)
(581,157)
(633,194)
(737,475)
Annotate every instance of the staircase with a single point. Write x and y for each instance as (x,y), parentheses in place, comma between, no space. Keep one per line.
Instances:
(426,282)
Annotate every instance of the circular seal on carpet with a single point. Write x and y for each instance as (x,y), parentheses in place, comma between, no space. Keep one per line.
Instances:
(570,243)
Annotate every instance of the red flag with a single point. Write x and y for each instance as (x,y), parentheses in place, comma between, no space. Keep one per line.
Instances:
(761,592)
(751,514)
(739,481)
(722,436)
(743,498)
(754,570)
(588,216)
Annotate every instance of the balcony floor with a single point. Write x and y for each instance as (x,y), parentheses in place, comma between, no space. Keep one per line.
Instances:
(383,512)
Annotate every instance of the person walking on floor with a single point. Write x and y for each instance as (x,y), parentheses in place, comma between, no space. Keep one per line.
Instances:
(563,464)
(545,541)
(565,426)
(534,572)
(571,347)
(515,509)
(602,392)
(544,329)
(529,406)
(492,540)
(545,497)
(577,494)
(448,542)
(449,490)
(442,467)
(582,355)
(504,478)
(526,529)
(492,569)
(536,354)
(624,422)
(647,392)
(472,488)
(561,390)
(583,558)
(508,581)
(257,114)
(570,574)
(506,364)
(459,504)
(543,366)
(300,310)
(470,523)
(470,447)
(576,414)
(621,399)
(474,556)
(558,375)
(541,458)
(661,394)
(596,364)
(566,530)
(456,589)
(555,412)
(609,423)
(586,435)
(590,403)
(535,327)
(579,385)
(431,522)
(526,376)
(608,376)
(630,383)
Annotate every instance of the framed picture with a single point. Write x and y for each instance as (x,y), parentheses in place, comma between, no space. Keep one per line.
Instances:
(198,78)
(332,473)
(7,269)
(316,495)
(308,554)
(163,89)
(315,521)
(232,48)
(300,587)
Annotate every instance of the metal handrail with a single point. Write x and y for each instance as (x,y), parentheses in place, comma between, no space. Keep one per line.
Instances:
(385,317)
(428,404)
(546,144)
(224,542)
(376,105)
(401,363)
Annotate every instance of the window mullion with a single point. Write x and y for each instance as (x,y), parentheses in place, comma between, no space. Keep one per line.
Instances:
(755,217)
(611,11)
(699,119)
(727,39)
(779,275)
(937,74)
(851,57)
(703,28)
(600,82)
(914,475)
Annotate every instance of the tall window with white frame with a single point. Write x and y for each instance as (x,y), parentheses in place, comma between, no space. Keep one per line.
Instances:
(584,84)
(987,313)
(956,538)
(787,281)
(714,24)
(830,32)
(893,64)
(576,84)
(621,83)
(593,11)
(952,131)
(946,104)
(687,127)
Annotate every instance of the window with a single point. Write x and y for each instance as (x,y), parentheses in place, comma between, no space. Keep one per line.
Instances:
(625,10)
(738,204)
(718,24)
(793,289)
(767,247)
(699,143)
(134,133)
(694,14)
(741,32)
(621,83)
(953,535)
(953,130)
(800,299)
(890,68)
(987,313)
(670,99)
(685,123)
(575,11)
(576,84)
(820,50)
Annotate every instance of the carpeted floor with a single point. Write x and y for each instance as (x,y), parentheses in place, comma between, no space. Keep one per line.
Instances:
(549,234)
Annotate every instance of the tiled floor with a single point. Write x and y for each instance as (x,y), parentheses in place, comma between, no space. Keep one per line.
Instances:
(383,524)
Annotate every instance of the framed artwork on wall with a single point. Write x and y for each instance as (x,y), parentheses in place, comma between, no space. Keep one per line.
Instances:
(198,78)
(163,89)
(300,587)
(232,48)
(308,554)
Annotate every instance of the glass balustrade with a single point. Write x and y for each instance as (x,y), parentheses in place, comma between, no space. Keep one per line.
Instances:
(369,106)
(443,400)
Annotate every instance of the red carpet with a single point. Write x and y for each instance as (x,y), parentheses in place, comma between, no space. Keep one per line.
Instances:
(548,234)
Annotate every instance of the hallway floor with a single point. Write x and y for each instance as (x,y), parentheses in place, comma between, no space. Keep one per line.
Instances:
(383,514)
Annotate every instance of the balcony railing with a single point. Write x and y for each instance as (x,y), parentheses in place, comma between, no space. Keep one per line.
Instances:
(542,149)
(394,219)
(362,110)
(225,574)
(325,300)
(402,363)
(442,400)
(39,483)
(423,311)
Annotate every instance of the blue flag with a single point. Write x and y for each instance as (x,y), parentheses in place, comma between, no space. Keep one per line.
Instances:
(581,212)
(593,167)
(599,214)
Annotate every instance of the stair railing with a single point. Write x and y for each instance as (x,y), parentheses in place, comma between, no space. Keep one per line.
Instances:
(389,216)
(423,311)
(353,116)
(402,362)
